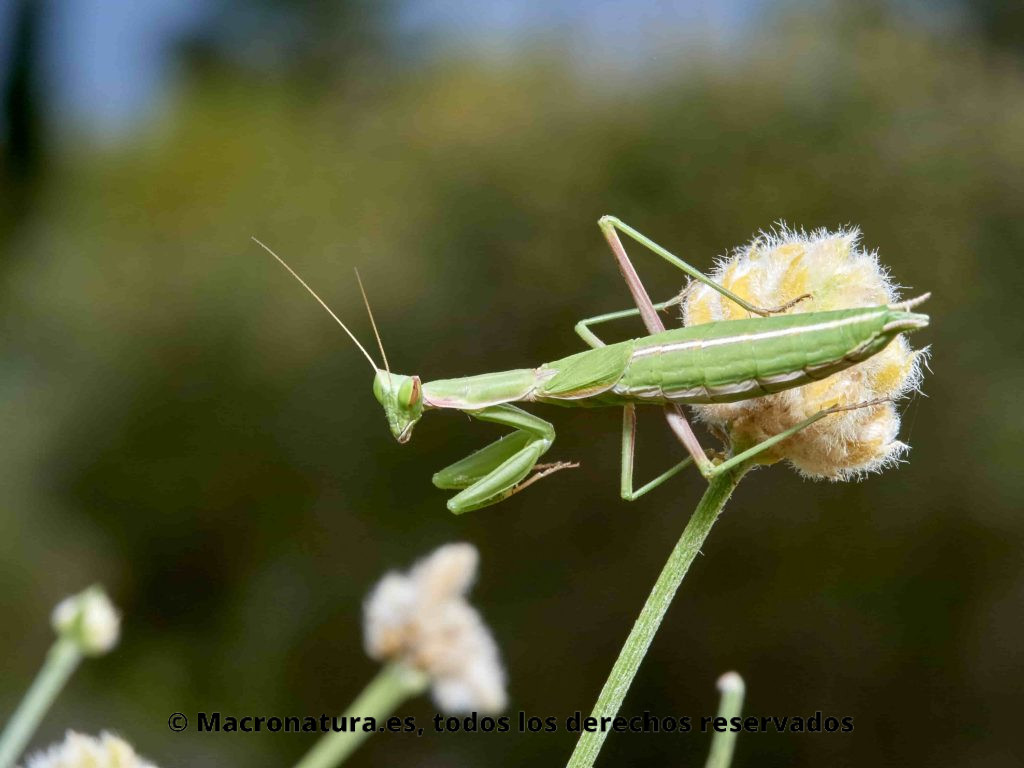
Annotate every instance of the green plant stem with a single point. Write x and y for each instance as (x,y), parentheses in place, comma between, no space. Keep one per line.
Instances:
(647,623)
(393,685)
(61,662)
(724,742)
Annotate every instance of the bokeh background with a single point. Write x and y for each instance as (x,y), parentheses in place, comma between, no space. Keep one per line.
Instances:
(181,423)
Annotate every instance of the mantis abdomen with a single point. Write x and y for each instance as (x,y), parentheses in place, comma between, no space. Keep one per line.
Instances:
(740,359)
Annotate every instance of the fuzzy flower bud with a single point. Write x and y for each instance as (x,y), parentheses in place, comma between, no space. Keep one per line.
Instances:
(80,751)
(838,274)
(90,620)
(421,619)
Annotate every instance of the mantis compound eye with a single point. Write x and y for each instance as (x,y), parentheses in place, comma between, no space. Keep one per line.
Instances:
(410,393)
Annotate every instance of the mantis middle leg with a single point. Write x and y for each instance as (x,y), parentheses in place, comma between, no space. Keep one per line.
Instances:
(629,411)
(497,471)
(629,454)
(582,328)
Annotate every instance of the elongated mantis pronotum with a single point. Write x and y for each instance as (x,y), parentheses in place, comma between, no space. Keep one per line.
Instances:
(714,362)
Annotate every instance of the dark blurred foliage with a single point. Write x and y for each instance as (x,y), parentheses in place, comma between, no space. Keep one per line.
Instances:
(999,21)
(22,150)
(185,425)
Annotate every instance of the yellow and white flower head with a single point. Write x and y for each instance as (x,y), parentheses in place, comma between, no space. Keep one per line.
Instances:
(90,620)
(838,274)
(80,751)
(422,619)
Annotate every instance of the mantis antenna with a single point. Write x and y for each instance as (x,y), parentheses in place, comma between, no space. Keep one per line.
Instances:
(376,333)
(324,305)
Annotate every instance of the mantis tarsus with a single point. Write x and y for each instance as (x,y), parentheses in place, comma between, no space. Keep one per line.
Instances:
(715,362)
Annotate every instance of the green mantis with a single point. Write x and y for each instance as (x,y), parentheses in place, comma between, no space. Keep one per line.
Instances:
(710,363)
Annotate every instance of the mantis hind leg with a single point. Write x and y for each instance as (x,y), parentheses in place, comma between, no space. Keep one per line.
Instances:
(609,225)
(500,470)
(674,415)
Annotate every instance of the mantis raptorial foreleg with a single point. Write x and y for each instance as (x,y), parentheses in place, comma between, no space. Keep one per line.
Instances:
(497,471)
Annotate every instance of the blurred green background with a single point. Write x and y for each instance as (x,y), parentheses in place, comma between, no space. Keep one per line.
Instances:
(183,424)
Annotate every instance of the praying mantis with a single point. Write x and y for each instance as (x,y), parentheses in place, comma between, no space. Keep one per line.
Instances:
(716,362)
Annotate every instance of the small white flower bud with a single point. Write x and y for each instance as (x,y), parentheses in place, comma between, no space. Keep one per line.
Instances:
(423,620)
(90,620)
(731,682)
(839,274)
(80,751)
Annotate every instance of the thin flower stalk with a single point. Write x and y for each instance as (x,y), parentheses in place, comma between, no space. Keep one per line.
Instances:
(61,662)
(87,624)
(393,685)
(723,743)
(635,648)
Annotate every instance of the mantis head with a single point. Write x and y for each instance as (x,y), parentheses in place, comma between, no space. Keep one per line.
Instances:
(402,398)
